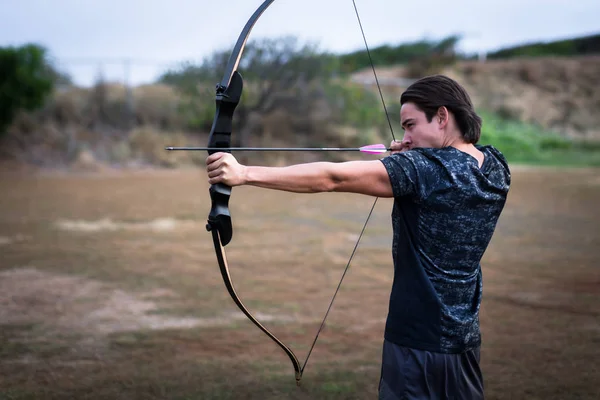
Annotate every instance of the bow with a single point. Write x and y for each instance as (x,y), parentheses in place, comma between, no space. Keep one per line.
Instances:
(228,95)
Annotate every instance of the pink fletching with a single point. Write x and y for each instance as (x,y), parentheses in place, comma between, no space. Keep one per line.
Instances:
(374,149)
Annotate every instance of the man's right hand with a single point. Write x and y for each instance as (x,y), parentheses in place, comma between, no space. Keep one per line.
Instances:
(399,146)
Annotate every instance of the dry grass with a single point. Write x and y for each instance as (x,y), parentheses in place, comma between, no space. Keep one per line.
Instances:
(109,288)
(555,93)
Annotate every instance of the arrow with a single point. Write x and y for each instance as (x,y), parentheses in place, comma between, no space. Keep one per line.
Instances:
(370,149)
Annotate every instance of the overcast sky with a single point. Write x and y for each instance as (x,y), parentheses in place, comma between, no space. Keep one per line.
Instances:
(86,36)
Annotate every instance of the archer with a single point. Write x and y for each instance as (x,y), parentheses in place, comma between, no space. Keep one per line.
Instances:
(448,195)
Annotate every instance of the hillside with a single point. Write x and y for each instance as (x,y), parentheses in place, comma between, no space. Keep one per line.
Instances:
(558,94)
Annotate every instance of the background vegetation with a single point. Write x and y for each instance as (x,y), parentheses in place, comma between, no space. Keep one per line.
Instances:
(297,95)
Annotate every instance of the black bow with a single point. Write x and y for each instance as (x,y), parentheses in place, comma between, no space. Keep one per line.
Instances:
(228,94)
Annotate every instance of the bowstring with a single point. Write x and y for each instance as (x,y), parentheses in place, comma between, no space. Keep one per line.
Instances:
(387,115)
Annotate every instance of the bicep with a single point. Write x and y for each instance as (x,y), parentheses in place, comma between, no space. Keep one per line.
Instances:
(364,177)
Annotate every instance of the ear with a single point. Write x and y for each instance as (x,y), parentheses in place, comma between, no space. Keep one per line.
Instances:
(442,116)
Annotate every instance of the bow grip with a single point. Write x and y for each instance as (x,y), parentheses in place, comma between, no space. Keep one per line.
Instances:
(219,217)
(226,100)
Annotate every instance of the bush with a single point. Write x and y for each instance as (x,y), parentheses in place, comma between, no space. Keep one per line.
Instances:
(26,80)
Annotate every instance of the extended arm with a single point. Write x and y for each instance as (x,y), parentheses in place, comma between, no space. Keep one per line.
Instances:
(365,177)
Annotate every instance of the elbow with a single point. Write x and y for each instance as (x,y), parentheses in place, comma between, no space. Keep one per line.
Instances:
(323,186)
(327,184)
(330,180)
(333,183)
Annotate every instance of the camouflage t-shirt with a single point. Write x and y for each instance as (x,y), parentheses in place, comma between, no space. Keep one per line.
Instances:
(445,212)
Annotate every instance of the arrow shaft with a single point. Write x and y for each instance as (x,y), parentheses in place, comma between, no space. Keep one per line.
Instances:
(262,149)
(189,148)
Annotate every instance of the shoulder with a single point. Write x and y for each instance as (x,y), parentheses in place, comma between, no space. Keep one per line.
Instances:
(427,160)
(495,160)
(490,150)
(412,172)
(410,163)
(415,157)
(424,164)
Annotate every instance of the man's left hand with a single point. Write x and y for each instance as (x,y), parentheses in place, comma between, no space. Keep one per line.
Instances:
(224,168)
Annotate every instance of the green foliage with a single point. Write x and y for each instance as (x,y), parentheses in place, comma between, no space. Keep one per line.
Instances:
(269,67)
(285,57)
(528,144)
(355,105)
(262,59)
(197,107)
(25,81)
(400,54)
(566,48)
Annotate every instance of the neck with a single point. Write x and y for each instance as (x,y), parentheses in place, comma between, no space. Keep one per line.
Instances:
(464,146)
(456,140)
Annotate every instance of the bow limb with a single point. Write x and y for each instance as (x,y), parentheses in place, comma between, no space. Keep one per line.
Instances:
(228,95)
(222,259)
(236,54)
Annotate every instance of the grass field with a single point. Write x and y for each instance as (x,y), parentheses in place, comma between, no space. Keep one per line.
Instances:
(110,289)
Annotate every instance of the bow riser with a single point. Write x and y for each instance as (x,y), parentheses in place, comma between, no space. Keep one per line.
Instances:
(226,101)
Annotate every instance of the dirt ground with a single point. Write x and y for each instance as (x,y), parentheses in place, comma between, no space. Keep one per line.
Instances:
(110,289)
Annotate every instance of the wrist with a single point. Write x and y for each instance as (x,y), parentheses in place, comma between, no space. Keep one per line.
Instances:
(245,175)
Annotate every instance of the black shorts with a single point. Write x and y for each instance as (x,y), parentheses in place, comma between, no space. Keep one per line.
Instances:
(417,374)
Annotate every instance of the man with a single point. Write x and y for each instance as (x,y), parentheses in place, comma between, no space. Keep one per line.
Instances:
(448,195)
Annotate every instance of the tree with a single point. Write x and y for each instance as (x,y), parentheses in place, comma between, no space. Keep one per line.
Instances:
(26,80)
(277,74)
(293,95)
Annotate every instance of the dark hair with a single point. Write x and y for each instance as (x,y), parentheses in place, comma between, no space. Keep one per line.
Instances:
(432,92)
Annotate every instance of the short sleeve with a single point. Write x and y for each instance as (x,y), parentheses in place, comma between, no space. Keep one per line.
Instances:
(402,170)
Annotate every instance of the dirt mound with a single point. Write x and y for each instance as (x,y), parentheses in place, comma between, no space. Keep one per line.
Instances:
(558,94)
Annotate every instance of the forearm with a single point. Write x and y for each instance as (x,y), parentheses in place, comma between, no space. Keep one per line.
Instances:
(365,177)
(302,178)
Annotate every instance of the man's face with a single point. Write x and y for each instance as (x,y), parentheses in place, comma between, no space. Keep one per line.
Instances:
(418,132)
